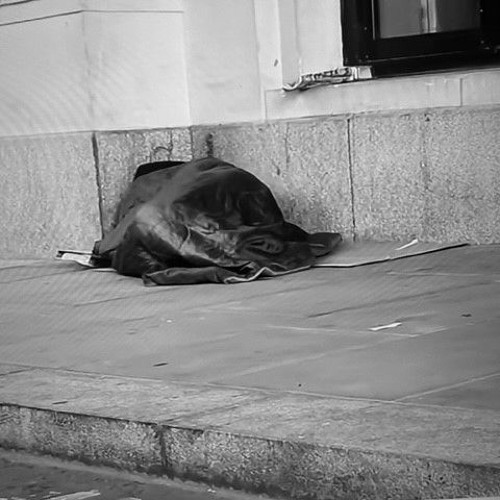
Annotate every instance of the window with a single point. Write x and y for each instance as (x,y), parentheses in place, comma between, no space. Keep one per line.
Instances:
(401,36)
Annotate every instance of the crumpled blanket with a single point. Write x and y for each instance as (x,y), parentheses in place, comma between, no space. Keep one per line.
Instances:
(204,221)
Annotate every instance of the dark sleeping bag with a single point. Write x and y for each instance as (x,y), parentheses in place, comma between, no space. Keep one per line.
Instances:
(204,221)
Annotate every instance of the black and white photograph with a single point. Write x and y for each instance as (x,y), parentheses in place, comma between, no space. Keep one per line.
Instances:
(250,249)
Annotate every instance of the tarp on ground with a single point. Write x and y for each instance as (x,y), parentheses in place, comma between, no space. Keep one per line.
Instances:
(209,221)
(204,221)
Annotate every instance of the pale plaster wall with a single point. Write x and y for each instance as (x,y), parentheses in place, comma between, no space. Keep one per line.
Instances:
(79,65)
(43,78)
(241,54)
(239,51)
(268,46)
(223,70)
(136,69)
(319,34)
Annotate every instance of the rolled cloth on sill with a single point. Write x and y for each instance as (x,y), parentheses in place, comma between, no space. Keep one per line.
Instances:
(204,221)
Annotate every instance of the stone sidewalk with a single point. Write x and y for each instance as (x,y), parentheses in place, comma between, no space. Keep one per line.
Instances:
(380,381)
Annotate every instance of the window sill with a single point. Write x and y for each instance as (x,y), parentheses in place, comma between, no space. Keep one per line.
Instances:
(464,87)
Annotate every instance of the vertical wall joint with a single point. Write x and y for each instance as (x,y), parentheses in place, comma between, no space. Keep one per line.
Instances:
(350,148)
(95,152)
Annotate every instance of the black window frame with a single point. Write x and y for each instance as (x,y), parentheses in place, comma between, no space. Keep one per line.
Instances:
(417,53)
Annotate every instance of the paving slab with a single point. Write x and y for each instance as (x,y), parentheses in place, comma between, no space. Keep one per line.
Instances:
(479,393)
(372,382)
(388,370)
(293,445)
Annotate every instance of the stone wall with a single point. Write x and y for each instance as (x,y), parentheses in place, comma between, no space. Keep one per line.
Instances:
(430,174)
(433,175)
(49,196)
(305,163)
(60,191)
(118,154)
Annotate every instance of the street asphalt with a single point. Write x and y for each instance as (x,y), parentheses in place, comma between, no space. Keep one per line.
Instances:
(24,477)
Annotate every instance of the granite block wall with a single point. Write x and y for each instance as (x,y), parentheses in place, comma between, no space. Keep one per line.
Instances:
(119,153)
(427,174)
(433,175)
(462,158)
(49,197)
(388,176)
(305,163)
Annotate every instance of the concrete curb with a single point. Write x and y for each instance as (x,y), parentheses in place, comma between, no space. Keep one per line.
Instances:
(258,441)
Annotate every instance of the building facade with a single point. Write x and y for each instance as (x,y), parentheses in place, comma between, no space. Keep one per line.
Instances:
(390,135)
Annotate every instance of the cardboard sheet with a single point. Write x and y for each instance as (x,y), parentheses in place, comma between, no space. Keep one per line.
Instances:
(347,254)
(353,254)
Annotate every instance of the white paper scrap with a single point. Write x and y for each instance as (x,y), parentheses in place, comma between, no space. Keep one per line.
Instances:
(80,495)
(412,242)
(383,327)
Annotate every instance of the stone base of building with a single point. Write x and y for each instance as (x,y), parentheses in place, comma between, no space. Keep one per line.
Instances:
(427,174)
